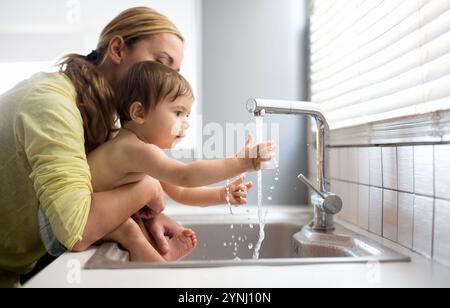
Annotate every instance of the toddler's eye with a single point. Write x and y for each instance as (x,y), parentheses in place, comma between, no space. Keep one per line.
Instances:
(179,113)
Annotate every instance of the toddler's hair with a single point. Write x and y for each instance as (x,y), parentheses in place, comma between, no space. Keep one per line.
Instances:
(149,83)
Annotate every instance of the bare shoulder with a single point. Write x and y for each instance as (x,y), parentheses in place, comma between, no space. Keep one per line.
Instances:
(132,145)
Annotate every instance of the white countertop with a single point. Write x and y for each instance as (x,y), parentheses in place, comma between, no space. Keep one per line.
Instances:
(67,271)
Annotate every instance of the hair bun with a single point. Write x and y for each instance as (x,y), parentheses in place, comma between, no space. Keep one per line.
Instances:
(93,56)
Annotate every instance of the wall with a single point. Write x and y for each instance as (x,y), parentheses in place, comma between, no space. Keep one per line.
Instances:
(257,48)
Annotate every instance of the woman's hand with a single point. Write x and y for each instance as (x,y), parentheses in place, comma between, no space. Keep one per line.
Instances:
(236,192)
(160,227)
(156,206)
(255,157)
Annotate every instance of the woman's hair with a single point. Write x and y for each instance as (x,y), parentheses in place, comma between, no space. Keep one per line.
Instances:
(95,96)
(149,83)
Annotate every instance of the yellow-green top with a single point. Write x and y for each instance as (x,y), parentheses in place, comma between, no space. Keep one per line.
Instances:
(42,161)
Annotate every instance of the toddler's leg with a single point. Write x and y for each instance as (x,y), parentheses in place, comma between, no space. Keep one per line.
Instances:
(180,245)
(130,236)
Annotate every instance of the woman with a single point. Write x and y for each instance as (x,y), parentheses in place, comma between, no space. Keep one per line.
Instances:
(47,126)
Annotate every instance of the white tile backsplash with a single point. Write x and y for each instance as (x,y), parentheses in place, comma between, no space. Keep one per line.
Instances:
(343,163)
(423,225)
(363,206)
(390,214)
(334,163)
(400,193)
(442,171)
(376,211)
(424,170)
(363,166)
(353,203)
(405,162)
(352,165)
(376,172)
(405,219)
(390,168)
(442,232)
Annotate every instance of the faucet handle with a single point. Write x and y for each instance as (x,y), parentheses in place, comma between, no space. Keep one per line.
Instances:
(331,204)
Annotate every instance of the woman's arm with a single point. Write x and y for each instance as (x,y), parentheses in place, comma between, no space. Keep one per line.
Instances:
(117,205)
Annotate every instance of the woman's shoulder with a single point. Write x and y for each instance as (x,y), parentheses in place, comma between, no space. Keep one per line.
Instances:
(46,90)
(52,83)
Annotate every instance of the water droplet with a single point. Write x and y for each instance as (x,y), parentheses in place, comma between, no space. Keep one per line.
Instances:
(232,227)
(272,188)
(235,244)
(235,248)
(232,237)
(269,198)
(251,226)
(225,244)
(277,179)
(250,246)
(239,239)
(237,259)
(230,244)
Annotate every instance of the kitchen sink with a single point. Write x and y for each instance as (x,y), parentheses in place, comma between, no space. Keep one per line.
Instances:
(231,240)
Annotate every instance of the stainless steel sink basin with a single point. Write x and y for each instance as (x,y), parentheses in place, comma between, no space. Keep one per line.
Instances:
(231,242)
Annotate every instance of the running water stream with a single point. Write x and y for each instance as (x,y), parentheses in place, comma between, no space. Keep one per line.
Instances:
(262,235)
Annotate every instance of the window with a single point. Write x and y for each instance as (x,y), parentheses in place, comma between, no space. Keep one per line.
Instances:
(373,60)
(35,34)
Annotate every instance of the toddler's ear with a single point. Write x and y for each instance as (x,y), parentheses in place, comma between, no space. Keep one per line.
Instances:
(137,113)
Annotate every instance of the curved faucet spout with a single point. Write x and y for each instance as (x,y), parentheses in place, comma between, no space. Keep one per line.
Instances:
(323,221)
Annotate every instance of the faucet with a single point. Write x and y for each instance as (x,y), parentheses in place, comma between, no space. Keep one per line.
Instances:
(326,204)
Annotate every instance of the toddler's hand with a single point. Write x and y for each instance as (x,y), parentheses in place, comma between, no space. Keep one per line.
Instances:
(237,191)
(257,155)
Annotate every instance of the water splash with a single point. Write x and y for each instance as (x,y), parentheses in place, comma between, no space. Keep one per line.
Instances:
(227,196)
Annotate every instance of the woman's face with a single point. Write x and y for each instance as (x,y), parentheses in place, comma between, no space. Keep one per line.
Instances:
(166,48)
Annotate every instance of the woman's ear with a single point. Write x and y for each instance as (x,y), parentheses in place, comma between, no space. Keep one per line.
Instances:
(137,113)
(116,48)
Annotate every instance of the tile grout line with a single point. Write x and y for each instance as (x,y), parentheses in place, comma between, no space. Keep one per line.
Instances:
(384,188)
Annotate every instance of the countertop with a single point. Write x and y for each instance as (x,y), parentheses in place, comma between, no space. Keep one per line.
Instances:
(67,270)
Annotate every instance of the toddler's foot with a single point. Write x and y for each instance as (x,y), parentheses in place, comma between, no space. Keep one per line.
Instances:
(181,245)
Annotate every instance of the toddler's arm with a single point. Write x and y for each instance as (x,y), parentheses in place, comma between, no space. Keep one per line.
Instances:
(205,196)
(150,159)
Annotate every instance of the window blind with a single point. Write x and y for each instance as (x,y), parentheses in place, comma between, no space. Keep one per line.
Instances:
(374,60)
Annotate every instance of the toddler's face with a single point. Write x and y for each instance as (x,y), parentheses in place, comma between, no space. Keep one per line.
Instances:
(167,125)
